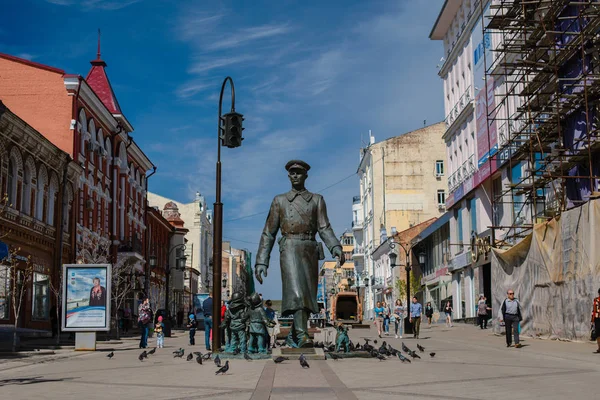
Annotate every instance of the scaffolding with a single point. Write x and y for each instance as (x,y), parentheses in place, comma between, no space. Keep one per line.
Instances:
(545,72)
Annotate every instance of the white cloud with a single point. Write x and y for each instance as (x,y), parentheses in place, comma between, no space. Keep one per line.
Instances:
(26,56)
(191,89)
(250,34)
(108,5)
(206,66)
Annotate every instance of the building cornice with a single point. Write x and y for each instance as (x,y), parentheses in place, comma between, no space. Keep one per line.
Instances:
(88,96)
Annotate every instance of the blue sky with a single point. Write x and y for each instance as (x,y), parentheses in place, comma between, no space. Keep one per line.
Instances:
(311,78)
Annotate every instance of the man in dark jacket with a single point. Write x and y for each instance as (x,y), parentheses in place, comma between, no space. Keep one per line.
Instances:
(510,313)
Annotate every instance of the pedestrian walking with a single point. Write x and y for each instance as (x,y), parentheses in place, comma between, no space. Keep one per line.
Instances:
(386,318)
(448,312)
(416,309)
(144,319)
(207,306)
(429,312)
(482,312)
(596,320)
(192,324)
(160,336)
(378,317)
(510,313)
(398,316)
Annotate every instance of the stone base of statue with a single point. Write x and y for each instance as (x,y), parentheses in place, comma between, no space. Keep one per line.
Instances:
(293,354)
(240,356)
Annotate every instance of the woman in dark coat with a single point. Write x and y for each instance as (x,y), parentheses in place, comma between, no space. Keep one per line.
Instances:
(97,294)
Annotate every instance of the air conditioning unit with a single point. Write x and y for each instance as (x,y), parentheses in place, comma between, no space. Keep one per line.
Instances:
(441,207)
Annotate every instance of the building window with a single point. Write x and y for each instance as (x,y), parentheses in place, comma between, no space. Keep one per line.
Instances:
(41,297)
(441,198)
(439,168)
(473,210)
(459,225)
(4,291)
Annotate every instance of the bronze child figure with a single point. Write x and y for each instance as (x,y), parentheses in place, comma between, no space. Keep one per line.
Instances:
(236,318)
(299,214)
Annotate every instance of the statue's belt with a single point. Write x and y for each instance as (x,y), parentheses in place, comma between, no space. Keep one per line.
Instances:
(299,236)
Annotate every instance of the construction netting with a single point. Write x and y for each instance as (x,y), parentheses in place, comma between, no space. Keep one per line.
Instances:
(555,273)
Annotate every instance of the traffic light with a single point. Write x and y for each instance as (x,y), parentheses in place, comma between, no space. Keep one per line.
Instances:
(232,129)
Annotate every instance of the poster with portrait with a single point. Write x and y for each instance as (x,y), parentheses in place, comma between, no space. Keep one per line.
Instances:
(86,297)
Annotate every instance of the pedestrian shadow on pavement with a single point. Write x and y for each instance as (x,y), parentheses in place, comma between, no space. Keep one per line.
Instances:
(30,381)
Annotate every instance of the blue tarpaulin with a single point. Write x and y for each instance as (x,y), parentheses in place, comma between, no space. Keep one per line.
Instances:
(3,251)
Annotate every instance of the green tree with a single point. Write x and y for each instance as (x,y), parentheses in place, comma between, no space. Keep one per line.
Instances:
(415,286)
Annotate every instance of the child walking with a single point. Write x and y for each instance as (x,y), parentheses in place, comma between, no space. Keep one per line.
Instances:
(192,326)
(160,336)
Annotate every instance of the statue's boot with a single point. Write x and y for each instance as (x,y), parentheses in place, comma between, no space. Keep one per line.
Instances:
(289,340)
(301,329)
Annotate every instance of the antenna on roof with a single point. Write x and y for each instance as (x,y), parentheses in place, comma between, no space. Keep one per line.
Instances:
(98,44)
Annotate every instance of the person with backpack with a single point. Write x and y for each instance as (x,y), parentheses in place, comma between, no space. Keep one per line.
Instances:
(510,313)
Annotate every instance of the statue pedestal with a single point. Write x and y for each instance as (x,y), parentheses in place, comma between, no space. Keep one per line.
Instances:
(293,354)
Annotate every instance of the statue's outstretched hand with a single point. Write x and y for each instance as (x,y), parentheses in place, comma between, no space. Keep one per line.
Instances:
(337,252)
(260,271)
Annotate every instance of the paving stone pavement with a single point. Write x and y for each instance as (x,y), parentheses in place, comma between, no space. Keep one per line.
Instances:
(469,364)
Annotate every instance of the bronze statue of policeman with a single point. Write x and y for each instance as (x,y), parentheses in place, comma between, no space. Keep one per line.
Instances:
(299,214)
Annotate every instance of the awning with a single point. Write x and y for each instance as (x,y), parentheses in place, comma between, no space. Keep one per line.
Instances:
(435,226)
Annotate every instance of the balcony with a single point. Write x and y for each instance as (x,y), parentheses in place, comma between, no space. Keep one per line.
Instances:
(132,247)
(377,282)
(464,172)
(357,225)
(356,200)
(358,252)
(462,103)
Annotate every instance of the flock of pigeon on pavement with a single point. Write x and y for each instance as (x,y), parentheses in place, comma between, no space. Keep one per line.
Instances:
(382,353)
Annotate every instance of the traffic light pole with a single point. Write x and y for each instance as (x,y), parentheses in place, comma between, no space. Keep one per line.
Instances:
(218,230)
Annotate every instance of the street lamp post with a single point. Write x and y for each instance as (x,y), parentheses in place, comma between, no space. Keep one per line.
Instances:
(229,132)
(393,257)
(180,262)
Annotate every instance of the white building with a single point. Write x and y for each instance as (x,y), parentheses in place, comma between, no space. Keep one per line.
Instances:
(471,144)
(198,220)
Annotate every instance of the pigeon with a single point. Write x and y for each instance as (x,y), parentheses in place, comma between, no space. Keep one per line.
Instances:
(179,351)
(280,359)
(421,348)
(302,358)
(217,361)
(144,354)
(141,357)
(178,355)
(110,355)
(334,356)
(357,347)
(303,363)
(367,340)
(236,352)
(199,360)
(152,351)
(189,357)
(223,369)
(207,356)
(432,355)
(247,357)
(381,357)
(413,354)
(404,348)
(198,353)
(403,359)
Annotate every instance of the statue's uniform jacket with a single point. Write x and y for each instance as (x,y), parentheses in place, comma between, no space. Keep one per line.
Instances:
(236,318)
(299,216)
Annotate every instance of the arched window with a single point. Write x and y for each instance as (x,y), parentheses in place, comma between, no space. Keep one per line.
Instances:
(108,148)
(82,130)
(29,188)
(41,208)
(52,191)
(100,149)
(15,168)
(92,143)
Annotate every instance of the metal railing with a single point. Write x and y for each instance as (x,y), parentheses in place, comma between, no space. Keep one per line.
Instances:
(464,100)
(465,171)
